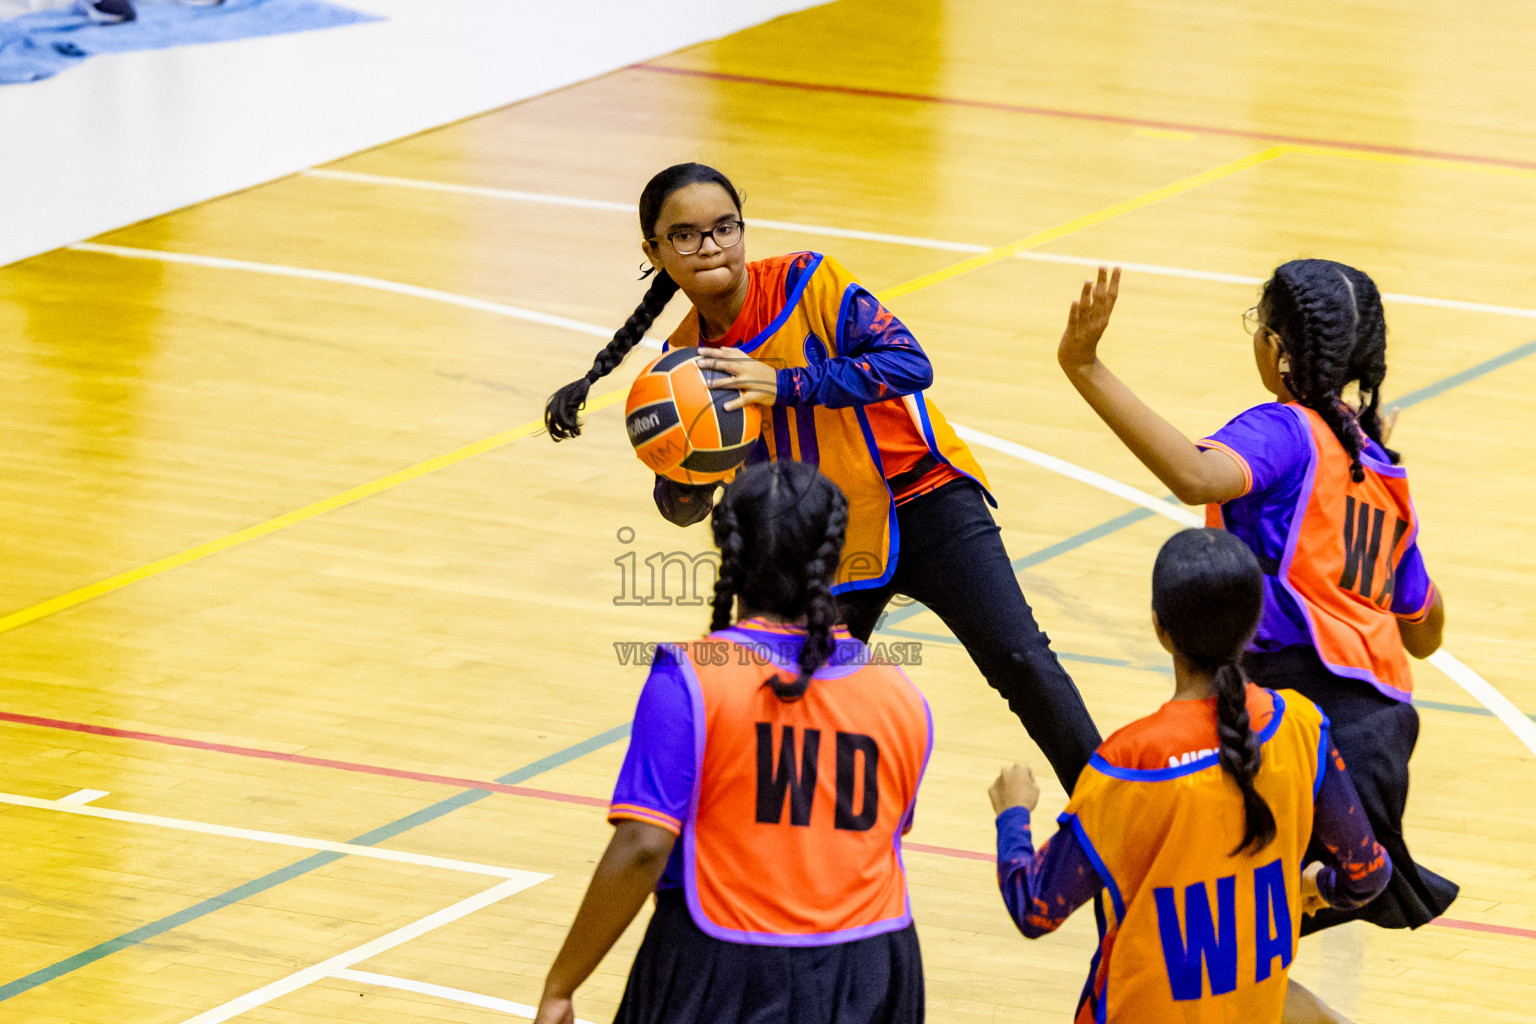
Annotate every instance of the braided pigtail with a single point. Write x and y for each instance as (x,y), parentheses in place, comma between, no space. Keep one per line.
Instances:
(780,528)
(820,606)
(1314,306)
(1369,362)
(1207,594)
(728,540)
(561,411)
(1241,755)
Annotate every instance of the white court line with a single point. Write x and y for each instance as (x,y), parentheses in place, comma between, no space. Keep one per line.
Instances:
(356,280)
(342,961)
(1464,677)
(71,805)
(84,796)
(550,199)
(1168,510)
(457,995)
(1487,695)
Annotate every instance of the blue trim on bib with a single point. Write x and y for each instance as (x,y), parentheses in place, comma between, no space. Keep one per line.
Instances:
(895,545)
(791,301)
(1097,862)
(1114,771)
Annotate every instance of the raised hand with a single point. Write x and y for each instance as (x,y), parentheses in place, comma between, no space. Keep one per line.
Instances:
(1087,319)
(1015,787)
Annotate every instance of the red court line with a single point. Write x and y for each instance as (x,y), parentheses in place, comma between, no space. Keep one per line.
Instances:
(948,851)
(1478,926)
(499,787)
(316,762)
(1081,115)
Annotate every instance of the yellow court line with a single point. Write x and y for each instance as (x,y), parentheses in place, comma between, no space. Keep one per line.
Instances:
(94,590)
(1071,227)
(1409,160)
(336,501)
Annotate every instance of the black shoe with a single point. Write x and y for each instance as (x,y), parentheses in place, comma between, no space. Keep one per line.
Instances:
(110,12)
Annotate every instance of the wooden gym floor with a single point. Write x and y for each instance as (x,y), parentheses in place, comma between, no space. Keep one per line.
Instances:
(310,710)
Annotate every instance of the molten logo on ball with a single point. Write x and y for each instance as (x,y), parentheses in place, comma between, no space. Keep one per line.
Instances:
(680,427)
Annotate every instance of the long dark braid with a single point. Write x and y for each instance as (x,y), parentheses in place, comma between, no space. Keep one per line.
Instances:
(780,528)
(1369,362)
(1330,322)
(728,540)
(561,412)
(1208,592)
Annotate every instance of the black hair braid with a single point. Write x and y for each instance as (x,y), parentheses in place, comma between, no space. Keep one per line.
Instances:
(1368,365)
(728,540)
(560,412)
(1313,306)
(1240,756)
(1208,594)
(820,606)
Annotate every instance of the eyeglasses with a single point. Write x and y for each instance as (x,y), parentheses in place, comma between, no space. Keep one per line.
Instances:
(1252,323)
(688,241)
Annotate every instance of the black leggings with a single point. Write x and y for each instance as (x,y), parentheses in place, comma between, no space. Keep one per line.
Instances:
(952,559)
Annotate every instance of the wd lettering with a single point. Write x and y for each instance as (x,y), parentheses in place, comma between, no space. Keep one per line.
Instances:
(851,748)
(1363,525)
(792,775)
(773,783)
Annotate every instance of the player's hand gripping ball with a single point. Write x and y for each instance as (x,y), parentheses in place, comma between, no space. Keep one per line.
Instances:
(680,427)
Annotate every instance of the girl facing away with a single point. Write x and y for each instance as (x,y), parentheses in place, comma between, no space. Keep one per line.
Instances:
(1308,484)
(844,384)
(772,771)
(1190,828)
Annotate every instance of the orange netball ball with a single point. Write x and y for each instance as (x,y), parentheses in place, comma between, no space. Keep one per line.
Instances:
(680,428)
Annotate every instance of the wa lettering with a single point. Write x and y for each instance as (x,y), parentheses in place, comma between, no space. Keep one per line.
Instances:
(788,776)
(1363,528)
(1203,943)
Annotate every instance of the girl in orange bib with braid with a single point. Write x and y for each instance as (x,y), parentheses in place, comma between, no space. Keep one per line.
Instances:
(843,383)
(772,771)
(1307,482)
(1190,828)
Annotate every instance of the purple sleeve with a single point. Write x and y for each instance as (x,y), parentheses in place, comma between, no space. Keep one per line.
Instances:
(1361,868)
(1268,444)
(1041,889)
(656,783)
(877,359)
(1412,591)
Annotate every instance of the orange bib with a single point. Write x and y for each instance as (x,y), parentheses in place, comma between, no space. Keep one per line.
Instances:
(841,442)
(794,834)
(1191,934)
(1342,550)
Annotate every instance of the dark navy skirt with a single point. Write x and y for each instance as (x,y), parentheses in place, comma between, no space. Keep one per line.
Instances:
(1375,735)
(682,976)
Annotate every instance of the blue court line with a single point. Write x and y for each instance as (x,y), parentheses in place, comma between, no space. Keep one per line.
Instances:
(1471,373)
(149,931)
(1045,554)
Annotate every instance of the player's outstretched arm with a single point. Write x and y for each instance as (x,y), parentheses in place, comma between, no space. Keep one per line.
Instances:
(1195,476)
(627,874)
